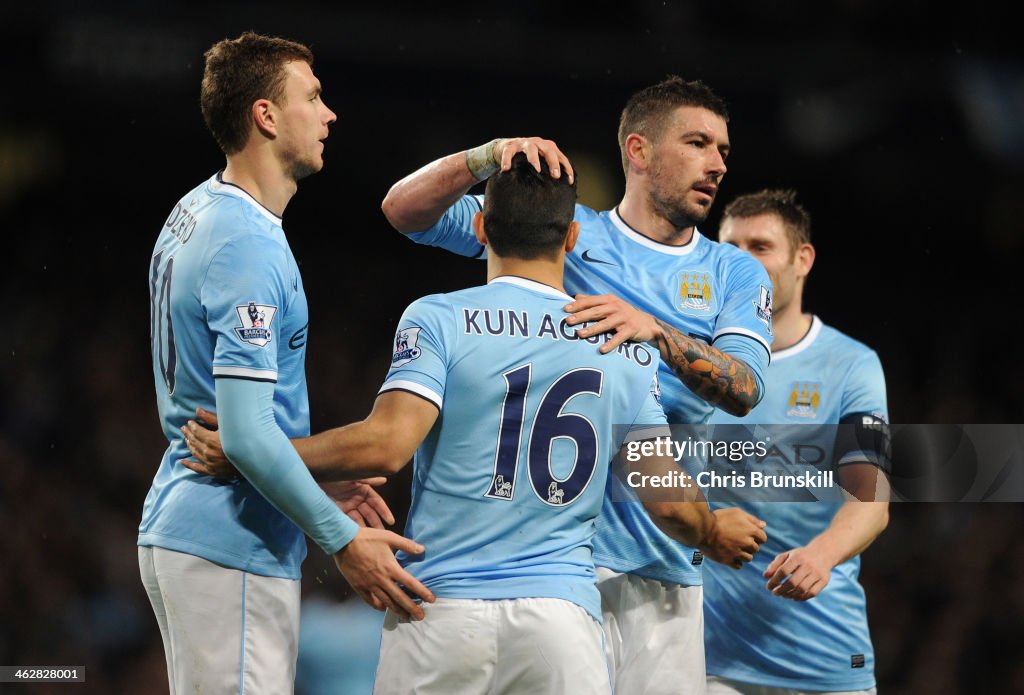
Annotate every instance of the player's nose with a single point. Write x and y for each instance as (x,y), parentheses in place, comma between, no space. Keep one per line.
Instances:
(716,166)
(329,116)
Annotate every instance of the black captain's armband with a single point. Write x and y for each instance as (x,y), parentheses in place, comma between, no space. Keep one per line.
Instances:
(863,438)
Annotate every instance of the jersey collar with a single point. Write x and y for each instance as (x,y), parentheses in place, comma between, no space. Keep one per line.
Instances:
(530,285)
(219,185)
(667,249)
(802,344)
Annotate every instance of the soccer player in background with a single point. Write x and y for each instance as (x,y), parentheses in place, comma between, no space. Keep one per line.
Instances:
(795,619)
(220,560)
(652,277)
(512,419)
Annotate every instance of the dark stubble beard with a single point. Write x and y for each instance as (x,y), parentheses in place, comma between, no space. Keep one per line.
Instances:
(300,170)
(675,209)
(299,167)
(679,214)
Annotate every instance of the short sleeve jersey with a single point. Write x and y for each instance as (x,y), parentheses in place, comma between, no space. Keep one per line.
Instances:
(508,483)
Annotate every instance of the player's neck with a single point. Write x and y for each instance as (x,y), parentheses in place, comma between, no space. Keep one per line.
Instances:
(637,211)
(264,180)
(789,325)
(539,270)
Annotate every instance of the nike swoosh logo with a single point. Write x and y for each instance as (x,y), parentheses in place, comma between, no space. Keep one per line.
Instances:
(587,257)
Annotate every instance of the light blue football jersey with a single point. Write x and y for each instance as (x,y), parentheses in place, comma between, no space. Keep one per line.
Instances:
(509,481)
(713,292)
(750,635)
(226,300)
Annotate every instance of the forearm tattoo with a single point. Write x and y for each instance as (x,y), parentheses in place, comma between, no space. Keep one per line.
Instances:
(721,380)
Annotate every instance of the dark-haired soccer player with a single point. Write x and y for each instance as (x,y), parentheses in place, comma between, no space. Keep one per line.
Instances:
(758,642)
(705,306)
(511,417)
(220,561)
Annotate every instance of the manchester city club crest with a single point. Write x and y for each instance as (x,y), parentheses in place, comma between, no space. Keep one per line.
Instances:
(405,346)
(804,399)
(255,323)
(696,292)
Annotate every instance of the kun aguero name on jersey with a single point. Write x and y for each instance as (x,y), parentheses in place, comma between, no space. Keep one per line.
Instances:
(505,322)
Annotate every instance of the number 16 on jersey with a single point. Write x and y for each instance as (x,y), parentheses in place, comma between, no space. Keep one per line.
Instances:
(549,424)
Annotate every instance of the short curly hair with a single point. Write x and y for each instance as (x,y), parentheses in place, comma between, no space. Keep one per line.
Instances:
(646,113)
(238,72)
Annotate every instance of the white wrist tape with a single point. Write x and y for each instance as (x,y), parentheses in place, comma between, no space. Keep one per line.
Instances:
(481,161)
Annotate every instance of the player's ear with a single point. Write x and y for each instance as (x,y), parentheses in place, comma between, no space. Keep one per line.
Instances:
(478,228)
(572,236)
(804,259)
(264,115)
(638,151)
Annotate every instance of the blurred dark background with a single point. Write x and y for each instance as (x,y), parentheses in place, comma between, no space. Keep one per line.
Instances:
(901,125)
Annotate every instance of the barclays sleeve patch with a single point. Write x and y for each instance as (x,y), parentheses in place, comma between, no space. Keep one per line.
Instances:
(763,308)
(656,389)
(405,346)
(255,323)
